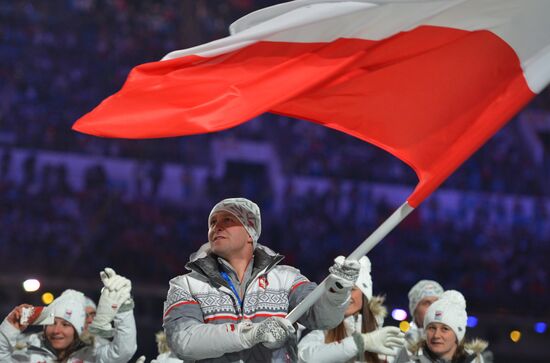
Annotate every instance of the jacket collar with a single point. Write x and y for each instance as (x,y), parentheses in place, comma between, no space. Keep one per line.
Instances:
(204,262)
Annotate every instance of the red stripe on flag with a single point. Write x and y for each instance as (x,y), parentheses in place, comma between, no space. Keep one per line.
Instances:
(430,96)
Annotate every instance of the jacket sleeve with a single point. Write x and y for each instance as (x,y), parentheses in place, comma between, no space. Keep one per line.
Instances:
(8,336)
(312,348)
(326,313)
(187,335)
(124,343)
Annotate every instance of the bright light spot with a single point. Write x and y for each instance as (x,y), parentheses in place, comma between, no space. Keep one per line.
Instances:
(515,336)
(31,285)
(471,322)
(399,314)
(540,327)
(47,298)
(404,326)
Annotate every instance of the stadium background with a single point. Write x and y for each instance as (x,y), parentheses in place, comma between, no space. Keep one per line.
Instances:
(71,204)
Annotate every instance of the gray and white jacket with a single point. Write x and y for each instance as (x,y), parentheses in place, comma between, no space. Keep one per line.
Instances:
(201,311)
(33,350)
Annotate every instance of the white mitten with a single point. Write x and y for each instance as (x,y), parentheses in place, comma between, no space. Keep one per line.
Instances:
(141,359)
(272,332)
(384,340)
(116,291)
(112,281)
(342,278)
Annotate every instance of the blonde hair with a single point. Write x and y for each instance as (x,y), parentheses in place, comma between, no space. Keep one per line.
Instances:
(162,344)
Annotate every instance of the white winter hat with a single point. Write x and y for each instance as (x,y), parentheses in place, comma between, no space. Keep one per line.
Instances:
(364,280)
(89,303)
(70,306)
(421,290)
(246,211)
(450,310)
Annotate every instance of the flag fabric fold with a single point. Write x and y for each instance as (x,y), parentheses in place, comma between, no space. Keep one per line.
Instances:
(428,81)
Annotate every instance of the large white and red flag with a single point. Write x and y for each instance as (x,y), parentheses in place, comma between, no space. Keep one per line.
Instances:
(428,80)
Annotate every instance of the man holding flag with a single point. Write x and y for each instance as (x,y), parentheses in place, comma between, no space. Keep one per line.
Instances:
(232,305)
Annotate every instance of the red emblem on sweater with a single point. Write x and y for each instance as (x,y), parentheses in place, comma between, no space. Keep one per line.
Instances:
(262,282)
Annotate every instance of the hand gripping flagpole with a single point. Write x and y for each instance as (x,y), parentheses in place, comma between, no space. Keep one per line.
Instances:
(389,224)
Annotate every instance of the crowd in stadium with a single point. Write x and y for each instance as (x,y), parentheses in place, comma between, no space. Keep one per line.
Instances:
(60,59)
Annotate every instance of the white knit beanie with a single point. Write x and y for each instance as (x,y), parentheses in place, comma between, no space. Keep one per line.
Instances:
(421,290)
(89,303)
(364,280)
(450,310)
(70,306)
(246,211)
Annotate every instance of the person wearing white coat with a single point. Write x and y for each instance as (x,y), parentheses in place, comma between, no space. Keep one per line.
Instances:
(445,327)
(64,339)
(360,337)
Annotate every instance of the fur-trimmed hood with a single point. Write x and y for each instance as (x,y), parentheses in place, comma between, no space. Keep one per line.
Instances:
(474,347)
(379,310)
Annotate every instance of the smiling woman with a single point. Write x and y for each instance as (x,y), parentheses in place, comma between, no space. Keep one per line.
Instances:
(64,333)
(66,336)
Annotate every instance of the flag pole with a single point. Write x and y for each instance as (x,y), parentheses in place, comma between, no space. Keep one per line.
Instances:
(389,224)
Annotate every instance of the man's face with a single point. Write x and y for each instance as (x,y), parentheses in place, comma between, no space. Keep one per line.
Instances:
(227,236)
(441,340)
(421,308)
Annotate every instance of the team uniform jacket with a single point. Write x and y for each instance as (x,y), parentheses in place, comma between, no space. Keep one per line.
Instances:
(201,312)
(119,350)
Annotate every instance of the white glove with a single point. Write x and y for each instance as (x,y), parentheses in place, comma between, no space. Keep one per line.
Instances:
(342,278)
(272,332)
(141,359)
(115,282)
(384,340)
(116,291)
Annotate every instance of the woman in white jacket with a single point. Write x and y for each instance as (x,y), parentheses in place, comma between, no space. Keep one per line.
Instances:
(360,337)
(64,339)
